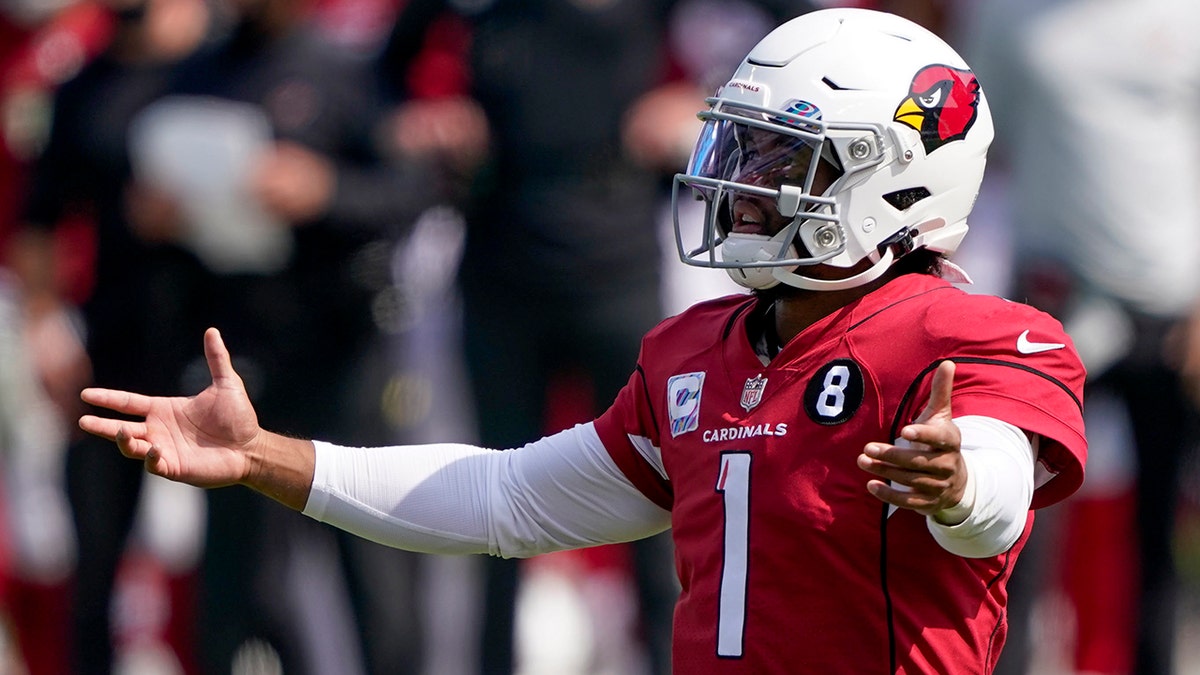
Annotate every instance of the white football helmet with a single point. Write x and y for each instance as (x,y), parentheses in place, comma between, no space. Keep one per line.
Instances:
(861,134)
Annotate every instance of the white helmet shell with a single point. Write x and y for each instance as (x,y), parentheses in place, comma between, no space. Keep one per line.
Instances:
(890,104)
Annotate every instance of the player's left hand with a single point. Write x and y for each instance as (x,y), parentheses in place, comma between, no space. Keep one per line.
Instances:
(924,471)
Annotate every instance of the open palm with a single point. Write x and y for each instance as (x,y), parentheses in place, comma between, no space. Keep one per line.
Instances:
(203,440)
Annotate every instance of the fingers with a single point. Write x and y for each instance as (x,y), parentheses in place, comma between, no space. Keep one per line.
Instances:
(119,401)
(153,462)
(898,495)
(926,438)
(934,427)
(220,366)
(911,477)
(109,428)
(129,436)
(924,456)
(940,394)
(923,470)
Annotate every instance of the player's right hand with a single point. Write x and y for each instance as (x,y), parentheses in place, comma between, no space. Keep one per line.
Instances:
(206,440)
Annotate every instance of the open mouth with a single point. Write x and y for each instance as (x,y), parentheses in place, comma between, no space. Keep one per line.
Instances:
(749,218)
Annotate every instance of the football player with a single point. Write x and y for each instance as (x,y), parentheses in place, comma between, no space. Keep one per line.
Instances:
(849,456)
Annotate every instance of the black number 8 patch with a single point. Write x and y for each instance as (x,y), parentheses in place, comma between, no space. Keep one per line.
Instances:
(834,394)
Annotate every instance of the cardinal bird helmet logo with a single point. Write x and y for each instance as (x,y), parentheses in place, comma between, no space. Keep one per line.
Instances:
(942,105)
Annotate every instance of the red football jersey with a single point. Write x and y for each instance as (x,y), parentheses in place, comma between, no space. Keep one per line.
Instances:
(787,563)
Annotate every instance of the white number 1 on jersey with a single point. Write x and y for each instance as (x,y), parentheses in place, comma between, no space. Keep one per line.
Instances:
(733,482)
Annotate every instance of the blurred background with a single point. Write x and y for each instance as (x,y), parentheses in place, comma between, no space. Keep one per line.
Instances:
(449,220)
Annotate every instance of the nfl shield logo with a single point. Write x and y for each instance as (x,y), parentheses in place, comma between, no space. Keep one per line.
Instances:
(752,392)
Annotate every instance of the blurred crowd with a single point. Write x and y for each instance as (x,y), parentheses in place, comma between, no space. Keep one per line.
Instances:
(446,219)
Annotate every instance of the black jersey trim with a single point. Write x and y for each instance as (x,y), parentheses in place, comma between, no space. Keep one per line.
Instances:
(895,430)
(901,301)
(646,392)
(1003,617)
(664,482)
(733,318)
(916,383)
(1005,568)
(883,586)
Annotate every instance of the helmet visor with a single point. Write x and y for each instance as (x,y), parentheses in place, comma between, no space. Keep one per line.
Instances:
(759,155)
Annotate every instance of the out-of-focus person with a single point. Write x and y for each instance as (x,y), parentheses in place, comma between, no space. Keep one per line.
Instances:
(1098,130)
(43,43)
(83,173)
(260,161)
(35,520)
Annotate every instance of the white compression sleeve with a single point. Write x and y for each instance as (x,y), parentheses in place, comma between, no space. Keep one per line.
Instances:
(1000,469)
(560,492)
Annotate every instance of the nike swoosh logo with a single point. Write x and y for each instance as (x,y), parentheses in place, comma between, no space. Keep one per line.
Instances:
(1026,347)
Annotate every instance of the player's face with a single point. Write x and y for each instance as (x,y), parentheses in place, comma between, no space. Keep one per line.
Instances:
(770,160)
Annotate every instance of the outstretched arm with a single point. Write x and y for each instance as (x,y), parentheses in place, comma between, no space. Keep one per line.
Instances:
(556,493)
(208,440)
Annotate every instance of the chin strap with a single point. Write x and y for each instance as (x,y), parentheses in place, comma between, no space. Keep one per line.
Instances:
(761,248)
(864,277)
